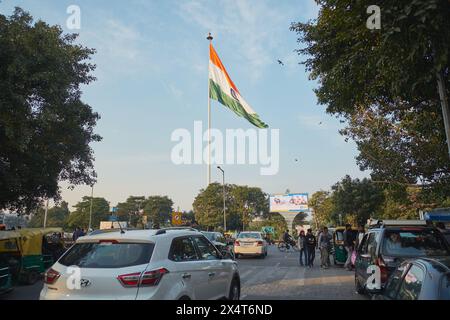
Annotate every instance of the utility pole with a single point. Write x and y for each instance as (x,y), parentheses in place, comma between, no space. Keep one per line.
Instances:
(224,207)
(444,106)
(45,215)
(90,210)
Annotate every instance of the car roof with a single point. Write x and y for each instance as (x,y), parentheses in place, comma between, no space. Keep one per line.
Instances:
(440,264)
(149,234)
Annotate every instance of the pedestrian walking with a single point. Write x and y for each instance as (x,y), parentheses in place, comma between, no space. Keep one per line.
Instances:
(359,237)
(348,244)
(323,244)
(302,248)
(76,234)
(311,243)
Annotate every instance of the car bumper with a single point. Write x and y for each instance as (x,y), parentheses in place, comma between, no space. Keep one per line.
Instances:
(249,250)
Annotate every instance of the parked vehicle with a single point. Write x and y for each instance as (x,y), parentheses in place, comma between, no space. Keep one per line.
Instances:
(28,252)
(250,243)
(388,243)
(171,263)
(338,251)
(7,244)
(219,240)
(419,279)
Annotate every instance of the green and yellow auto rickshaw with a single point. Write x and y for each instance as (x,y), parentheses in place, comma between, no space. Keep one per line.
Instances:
(338,251)
(8,240)
(29,252)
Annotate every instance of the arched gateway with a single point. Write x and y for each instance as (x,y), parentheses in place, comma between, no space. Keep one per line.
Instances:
(289,206)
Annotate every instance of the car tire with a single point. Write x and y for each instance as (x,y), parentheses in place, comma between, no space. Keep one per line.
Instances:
(235,290)
(359,288)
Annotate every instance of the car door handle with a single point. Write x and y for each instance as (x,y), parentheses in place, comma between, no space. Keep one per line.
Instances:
(211,274)
(186,276)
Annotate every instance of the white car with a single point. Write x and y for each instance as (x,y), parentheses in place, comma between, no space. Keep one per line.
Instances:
(250,243)
(172,264)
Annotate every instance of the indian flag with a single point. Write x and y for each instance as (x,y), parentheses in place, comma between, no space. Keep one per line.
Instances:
(222,89)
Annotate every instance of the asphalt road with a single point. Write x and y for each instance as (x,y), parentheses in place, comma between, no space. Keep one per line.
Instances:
(24,292)
(280,277)
(277,277)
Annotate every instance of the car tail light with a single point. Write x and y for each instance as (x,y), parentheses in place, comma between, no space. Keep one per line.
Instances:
(383,269)
(152,278)
(130,279)
(148,278)
(51,276)
(259,243)
(236,243)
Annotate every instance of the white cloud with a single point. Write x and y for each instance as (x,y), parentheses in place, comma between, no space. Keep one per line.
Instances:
(256,27)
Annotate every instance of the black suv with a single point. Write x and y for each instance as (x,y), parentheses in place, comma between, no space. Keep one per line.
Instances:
(388,243)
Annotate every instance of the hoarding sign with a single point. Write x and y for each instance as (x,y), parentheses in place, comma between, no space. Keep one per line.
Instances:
(293,202)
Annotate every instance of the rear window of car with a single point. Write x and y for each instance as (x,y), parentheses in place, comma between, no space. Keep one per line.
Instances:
(414,242)
(249,235)
(107,255)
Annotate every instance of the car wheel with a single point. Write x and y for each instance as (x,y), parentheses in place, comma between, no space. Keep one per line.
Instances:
(235,290)
(359,288)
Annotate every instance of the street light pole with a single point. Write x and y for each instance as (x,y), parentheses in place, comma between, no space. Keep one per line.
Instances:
(224,207)
(90,210)
(45,215)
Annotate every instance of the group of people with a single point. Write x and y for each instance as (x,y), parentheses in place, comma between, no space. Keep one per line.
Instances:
(308,243)
(79,232)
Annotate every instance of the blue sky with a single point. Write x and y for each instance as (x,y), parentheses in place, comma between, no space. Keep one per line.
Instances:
(152,62)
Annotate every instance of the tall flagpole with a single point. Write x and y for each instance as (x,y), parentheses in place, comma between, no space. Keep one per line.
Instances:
(209,37)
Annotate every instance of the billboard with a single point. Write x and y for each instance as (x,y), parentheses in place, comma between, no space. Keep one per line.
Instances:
(293,202)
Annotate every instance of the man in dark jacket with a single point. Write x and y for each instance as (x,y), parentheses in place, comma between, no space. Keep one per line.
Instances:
(311,247)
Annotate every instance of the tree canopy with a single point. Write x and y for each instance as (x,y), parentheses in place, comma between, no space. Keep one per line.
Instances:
(56,216)
(159,209)
(243,203)
(45,128)
(80,217)
(383,84)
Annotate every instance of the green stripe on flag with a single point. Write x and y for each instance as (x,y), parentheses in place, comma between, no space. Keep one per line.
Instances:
(216,93)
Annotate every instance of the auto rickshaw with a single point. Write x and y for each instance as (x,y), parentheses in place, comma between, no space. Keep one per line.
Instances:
(8,240)
(29,252)
(338,250)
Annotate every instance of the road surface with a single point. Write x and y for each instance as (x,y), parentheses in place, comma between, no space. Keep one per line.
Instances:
(277,277)
(280,277)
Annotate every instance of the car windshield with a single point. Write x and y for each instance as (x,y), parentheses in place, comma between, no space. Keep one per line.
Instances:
(251,235)
(414,242)
(107,255)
